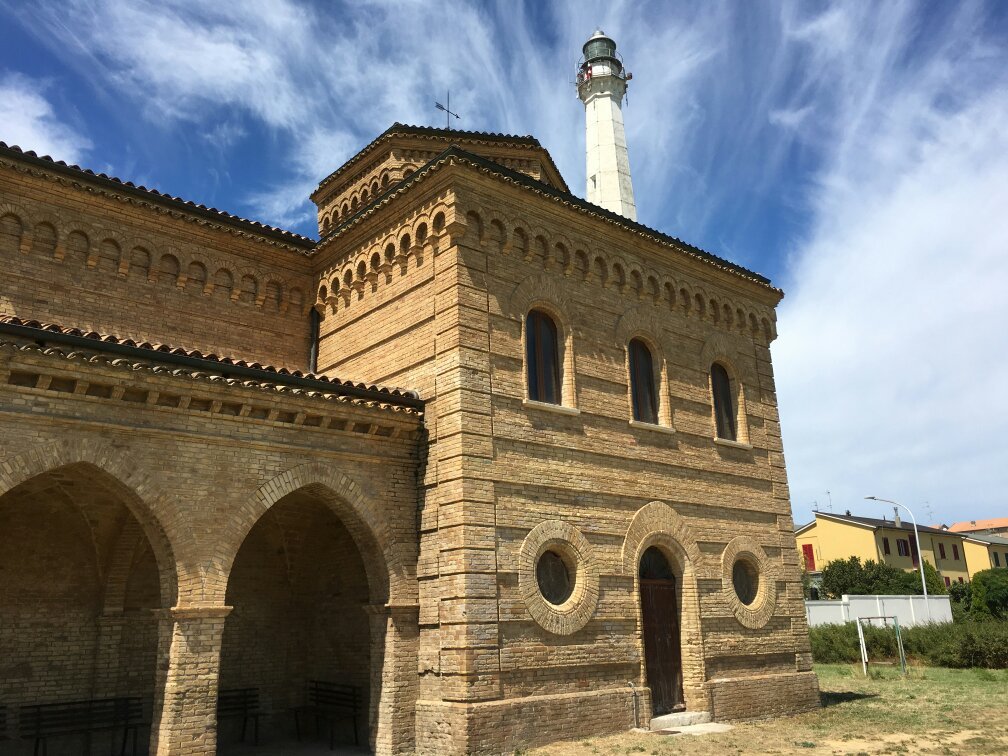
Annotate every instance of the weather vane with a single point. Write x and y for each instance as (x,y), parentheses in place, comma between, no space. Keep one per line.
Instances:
(445,108)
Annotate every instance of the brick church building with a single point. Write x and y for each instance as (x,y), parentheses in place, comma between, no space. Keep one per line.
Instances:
(498,465)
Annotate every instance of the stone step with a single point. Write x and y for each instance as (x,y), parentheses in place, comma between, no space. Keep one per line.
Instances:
(680,719)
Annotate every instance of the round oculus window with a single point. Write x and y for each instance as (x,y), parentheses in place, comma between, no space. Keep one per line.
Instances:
(745,579)
(555,581)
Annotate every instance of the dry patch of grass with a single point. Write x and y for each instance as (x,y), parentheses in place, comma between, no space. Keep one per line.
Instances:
(931,711)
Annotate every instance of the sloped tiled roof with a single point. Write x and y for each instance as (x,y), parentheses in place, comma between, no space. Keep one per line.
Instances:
(402,129)
(875,522)
(160,198)
(979,525)
(198,365)
(458,155)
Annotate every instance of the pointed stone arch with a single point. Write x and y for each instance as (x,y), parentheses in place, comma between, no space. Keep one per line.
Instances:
(389,576)
(119,473)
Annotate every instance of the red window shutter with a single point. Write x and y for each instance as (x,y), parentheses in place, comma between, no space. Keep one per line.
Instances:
(947,582)
(961,580)
(913,553)
(809,556)
(885,545)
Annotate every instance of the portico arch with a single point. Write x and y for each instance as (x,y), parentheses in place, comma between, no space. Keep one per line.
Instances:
(317,585)
(88,571)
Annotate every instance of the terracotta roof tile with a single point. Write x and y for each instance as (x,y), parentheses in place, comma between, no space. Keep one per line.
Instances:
(456,154)
(196,364)
(978,525)
(154,195)
(398,129)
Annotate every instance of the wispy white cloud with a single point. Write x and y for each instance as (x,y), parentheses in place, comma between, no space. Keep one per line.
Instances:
(891,359)
(27,119)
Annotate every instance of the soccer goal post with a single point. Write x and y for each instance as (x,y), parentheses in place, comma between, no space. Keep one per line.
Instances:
(885,623)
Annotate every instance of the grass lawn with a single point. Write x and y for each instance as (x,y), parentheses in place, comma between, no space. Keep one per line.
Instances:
(934,710)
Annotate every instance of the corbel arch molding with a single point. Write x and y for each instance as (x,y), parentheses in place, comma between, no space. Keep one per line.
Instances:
(122,475)
(37,220)
(390,570)
(13,208)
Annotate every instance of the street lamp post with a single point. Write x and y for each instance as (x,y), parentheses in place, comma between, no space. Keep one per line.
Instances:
(920,554)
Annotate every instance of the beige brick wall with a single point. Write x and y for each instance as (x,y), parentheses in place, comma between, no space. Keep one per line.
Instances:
(452,327)
(434,524)
(97,262)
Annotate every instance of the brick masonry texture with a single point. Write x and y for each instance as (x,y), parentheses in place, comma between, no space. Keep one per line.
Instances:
(174,532)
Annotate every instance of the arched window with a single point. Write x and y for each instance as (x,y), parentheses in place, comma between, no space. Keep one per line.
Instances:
(542,357)
(724,416)
(643,396)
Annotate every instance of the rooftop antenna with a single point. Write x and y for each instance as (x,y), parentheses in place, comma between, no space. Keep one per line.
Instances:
(446,109)
(830,505)
(815,505)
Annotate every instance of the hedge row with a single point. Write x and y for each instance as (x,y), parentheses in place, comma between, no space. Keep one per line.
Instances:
(958,644)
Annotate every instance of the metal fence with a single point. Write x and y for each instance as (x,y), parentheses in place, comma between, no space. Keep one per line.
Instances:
(911,610)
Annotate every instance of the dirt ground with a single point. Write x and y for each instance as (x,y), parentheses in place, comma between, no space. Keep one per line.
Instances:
(932,711)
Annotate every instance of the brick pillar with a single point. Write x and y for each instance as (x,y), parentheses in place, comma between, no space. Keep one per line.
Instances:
(467,537)
(395,639)
(185,698)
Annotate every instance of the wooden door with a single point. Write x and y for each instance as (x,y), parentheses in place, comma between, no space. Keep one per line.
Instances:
(662,652)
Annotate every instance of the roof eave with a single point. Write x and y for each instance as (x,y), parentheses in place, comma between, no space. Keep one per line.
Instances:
(457,155)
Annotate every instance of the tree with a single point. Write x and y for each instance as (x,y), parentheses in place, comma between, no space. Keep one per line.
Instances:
(989,594)
(851,577)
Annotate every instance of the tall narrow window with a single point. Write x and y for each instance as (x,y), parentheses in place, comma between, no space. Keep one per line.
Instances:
(885,545)
(955,551)
(941,550)
(642,383)
(542,357)
(723,415)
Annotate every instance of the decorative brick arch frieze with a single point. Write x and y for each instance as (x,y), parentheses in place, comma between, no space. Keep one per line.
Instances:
(390,576)
(119,473)
(759,612)
(574,549)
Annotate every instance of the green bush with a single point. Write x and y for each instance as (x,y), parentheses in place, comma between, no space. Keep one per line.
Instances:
(854,578)
(989,594)
(959,644)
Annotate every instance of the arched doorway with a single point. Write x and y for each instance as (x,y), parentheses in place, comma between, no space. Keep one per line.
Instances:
(80,590)
(661,600)
(300,596)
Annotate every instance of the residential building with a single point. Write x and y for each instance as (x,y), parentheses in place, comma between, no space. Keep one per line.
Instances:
(831,536)
(985,552)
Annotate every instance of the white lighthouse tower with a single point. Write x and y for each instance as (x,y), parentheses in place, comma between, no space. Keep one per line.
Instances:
(601,85)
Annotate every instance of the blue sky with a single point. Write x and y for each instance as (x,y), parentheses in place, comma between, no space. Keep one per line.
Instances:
(856,153)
